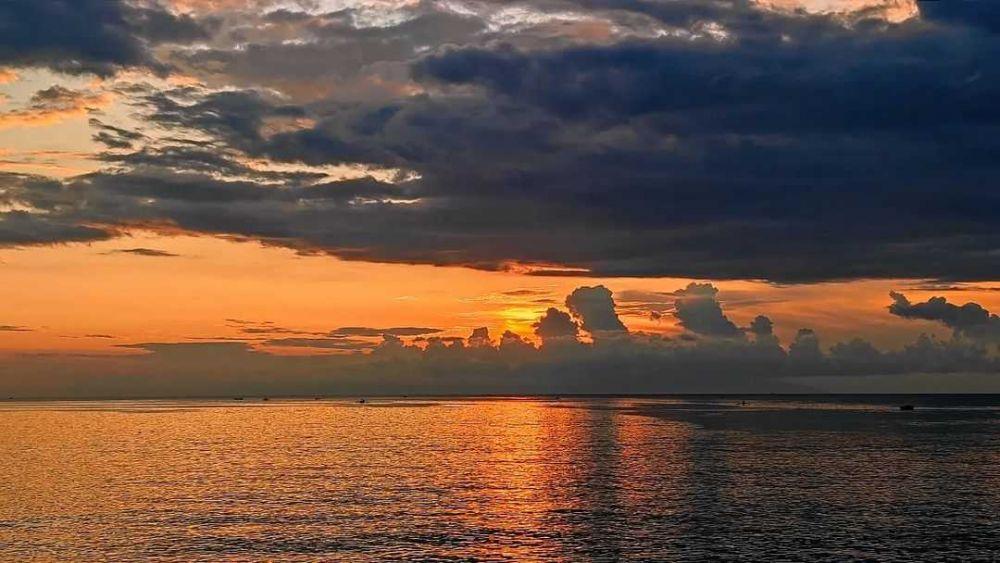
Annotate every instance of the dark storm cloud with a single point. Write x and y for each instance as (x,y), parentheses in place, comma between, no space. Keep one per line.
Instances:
(862,76)
(787,148)
(754,138)
(970,319)
(98,36)
(839,94)
(328,53)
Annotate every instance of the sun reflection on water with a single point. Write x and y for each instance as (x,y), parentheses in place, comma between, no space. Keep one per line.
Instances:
(517,479)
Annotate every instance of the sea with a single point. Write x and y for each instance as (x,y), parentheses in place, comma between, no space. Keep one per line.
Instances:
(664,478)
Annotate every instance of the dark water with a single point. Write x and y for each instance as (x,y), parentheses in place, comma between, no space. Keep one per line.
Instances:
(669,479)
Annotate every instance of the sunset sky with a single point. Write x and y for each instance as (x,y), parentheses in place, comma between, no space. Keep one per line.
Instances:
(336,196)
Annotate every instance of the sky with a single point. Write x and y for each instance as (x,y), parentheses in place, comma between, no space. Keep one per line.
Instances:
(298,197)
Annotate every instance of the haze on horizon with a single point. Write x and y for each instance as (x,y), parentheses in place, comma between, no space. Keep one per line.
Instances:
(295,197)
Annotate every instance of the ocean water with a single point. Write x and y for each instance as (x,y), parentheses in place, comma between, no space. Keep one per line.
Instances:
(530,479)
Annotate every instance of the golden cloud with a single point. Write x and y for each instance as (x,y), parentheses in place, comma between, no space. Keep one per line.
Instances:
(890,10)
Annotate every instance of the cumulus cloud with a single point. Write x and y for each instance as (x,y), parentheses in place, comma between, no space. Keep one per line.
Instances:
(595,308)
(480,338)
(761,326)
(699,311)
(761,330)
(633,363)
(970,320)
(514,345)
(805,350)
(555,326)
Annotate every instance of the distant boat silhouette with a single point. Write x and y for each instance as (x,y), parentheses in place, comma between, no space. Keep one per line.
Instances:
(906,407)
(237,398)
(361,401)
(265,399)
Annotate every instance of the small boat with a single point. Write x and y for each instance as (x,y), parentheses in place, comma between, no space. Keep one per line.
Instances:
(265,399)
(237,398)
(906,407)
(361,401)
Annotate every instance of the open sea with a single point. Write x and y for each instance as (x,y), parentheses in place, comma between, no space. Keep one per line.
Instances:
(757,478)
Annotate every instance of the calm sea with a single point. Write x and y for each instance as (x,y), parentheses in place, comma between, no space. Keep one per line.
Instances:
(595,479)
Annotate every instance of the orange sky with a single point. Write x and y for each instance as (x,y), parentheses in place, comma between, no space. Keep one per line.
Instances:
(67,292)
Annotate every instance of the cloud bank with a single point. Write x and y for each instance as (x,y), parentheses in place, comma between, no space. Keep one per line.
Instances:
(751,360)
(90,36)
(711,140)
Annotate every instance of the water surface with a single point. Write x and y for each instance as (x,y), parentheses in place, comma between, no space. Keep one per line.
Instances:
(673,479)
